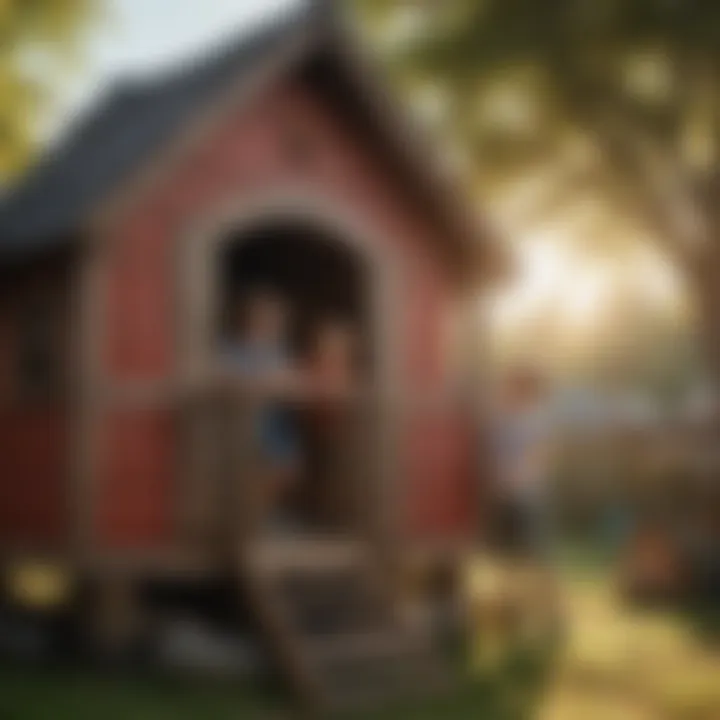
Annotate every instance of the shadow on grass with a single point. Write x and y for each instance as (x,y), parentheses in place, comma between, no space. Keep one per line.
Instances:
(44,694)
(510,693)
(703,618)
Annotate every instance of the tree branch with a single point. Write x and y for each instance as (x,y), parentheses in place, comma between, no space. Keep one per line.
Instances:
(664,195)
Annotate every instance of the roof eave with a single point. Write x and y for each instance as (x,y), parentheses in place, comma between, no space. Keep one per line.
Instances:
(473,243)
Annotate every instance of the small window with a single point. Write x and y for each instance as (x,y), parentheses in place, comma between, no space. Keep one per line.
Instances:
(38,351)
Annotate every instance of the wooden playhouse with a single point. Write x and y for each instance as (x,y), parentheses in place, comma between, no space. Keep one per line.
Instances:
(123,459)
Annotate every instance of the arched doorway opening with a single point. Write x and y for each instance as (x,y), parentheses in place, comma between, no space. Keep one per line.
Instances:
(319,277)
(322,280)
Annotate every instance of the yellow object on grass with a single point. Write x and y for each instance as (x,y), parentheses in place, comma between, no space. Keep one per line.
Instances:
(38,585)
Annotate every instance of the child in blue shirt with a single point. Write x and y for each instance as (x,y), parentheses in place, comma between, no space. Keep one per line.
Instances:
(259,354)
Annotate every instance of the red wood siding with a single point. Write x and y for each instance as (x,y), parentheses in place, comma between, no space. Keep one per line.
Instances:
(140,303)
(136,500)
(34,433)
(438,474)
(247,156)
(33,477)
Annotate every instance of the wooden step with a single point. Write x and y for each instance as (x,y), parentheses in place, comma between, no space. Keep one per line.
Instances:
(379,644)
(376,668)
(335,639)
(308,555)
(332,604)
(373,680)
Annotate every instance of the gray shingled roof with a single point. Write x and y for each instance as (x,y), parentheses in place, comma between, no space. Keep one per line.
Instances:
(131,123)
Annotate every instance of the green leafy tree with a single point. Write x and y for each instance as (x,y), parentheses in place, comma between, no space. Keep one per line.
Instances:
(39,40)
(614,100)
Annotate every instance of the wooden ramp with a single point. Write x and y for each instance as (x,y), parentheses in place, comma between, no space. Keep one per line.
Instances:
(330,625)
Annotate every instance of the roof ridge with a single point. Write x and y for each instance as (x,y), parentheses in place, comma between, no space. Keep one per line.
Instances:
(125,122)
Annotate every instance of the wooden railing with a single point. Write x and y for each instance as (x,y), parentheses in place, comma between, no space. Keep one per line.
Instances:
(227,472)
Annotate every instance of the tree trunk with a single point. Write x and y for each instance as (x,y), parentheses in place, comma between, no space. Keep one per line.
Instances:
(707,292)
(707,287)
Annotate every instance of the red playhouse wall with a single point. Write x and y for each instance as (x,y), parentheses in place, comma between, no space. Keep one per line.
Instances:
(246,155)
(34,437)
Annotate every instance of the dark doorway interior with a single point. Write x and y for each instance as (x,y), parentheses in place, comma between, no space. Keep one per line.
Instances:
(320,278)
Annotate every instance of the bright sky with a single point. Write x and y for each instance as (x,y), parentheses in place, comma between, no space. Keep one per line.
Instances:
(567,307)
(579,275)
(553,273)
(139,36)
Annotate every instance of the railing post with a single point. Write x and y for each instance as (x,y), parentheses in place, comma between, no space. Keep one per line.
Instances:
(227,494)
(353,467)
(200,465)
(243,474)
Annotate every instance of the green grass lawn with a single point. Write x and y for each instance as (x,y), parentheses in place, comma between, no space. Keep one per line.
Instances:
(633,664)
(618,663)
(45,696)
(66,695)
(33,695)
